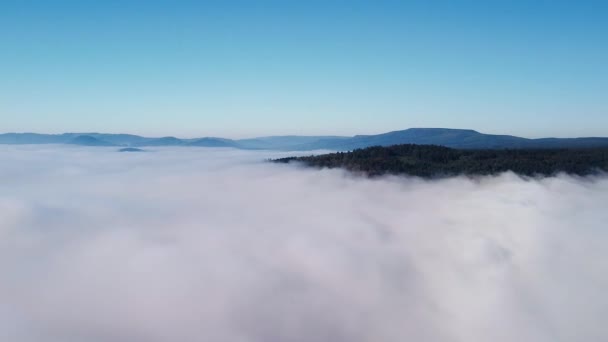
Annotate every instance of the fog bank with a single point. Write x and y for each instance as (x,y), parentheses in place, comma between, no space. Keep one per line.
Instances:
(195,244)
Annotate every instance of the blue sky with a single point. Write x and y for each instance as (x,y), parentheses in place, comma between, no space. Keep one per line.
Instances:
(246,68)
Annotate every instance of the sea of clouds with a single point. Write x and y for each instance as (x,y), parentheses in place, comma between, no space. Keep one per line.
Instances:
(196,244)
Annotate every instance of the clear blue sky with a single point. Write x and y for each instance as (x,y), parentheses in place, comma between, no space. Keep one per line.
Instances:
(245,68)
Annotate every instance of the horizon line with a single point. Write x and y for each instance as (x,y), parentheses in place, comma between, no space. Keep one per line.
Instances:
(293,135)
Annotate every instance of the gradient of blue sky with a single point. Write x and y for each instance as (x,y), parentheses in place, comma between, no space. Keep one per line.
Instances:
(244,68)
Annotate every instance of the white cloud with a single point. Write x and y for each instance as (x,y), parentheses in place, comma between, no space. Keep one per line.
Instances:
(189,244)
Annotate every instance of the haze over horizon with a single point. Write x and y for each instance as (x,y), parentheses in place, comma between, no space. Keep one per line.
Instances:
(256,68)
(249,136)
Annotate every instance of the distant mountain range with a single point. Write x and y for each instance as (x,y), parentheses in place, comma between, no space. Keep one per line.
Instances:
(454,138)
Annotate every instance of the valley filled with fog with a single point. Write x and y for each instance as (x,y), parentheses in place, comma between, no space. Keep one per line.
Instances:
(202,244)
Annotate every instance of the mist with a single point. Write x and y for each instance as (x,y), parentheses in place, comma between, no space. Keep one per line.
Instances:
(197,244)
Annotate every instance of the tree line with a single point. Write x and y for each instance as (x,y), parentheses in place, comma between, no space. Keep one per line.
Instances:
(438,161)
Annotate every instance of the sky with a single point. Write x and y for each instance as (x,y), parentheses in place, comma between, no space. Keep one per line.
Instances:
(247,68)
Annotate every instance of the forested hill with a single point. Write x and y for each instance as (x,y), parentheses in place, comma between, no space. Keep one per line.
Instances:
(438,161)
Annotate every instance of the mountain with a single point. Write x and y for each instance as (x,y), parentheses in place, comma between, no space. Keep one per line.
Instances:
(131,149)
(283,142)
(34,138)
(213,142)
(87,140)
(454,138)
(165,141)
(118,139)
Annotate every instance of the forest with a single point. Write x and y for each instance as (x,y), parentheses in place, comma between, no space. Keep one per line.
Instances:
(438,161)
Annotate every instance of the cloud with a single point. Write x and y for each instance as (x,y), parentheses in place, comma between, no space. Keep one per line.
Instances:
(194,244)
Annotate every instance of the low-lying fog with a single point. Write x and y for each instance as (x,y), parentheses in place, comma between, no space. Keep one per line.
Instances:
(195,244)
